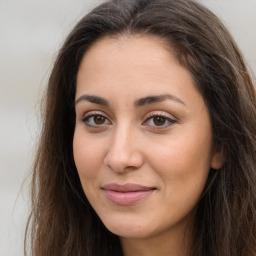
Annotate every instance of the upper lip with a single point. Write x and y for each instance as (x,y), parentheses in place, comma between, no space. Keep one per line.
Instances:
(129,187)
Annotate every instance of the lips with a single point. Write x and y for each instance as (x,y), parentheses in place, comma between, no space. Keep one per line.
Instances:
(127,194)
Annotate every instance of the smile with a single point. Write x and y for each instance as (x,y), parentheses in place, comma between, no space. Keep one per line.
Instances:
(127,194)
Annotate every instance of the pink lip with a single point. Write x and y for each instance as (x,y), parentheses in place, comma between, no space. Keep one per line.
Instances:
(127,194)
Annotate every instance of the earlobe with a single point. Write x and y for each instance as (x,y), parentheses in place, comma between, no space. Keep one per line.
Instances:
(217,160)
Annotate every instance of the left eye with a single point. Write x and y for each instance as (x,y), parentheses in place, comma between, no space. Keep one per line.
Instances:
(96,120)
(159,121)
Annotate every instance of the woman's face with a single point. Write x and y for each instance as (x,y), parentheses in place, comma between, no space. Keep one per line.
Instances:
(143,142)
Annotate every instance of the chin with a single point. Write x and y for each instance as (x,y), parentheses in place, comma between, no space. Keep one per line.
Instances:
(130,228)
(131,232)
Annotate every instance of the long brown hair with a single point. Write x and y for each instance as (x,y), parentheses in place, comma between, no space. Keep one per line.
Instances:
(62,221)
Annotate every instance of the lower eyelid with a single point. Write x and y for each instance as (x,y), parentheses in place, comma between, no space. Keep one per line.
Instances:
(170,121)
(86,120)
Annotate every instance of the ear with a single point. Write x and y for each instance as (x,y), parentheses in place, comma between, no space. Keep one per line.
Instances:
(217,160)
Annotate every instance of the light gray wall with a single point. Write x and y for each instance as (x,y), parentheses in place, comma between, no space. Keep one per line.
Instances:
(30,35)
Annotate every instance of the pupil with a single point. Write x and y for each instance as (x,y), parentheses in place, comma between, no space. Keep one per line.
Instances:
(158,120)
(99,119)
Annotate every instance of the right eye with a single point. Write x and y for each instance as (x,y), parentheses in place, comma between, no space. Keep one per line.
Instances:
(95,120)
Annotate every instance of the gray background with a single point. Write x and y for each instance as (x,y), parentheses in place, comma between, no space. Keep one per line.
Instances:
(30,34)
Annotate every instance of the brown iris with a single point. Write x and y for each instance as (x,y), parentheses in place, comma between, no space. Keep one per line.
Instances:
(99,120)
(159,120)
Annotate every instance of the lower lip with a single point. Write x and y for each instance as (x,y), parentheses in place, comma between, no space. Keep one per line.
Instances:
(127,198)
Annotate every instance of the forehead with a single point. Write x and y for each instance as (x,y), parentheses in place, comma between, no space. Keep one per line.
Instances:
(132,67)
(129,56)
(123,40)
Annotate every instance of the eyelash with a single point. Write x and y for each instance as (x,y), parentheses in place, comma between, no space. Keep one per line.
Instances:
(165,119)
(89,115)
(150,117)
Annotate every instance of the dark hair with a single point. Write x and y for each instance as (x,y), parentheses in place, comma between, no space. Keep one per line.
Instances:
(62,221)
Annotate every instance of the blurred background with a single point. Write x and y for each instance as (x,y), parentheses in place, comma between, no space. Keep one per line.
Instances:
(31,33)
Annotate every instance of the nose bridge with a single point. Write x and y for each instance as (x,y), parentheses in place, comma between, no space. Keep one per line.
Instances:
(123,150)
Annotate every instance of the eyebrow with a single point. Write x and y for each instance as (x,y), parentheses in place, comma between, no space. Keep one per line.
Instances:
(158,98)
(138,103)
(93,99)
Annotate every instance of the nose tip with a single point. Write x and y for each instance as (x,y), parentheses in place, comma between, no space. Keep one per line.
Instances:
(119,163)
(123,154)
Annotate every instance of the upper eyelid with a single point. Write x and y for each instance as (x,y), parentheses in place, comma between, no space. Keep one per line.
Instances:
(95,112)
(160,113)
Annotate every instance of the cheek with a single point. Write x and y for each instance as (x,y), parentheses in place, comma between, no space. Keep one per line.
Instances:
(87,156)
(184,175)
(183,163)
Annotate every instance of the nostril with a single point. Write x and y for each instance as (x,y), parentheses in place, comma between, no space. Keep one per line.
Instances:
(123,161)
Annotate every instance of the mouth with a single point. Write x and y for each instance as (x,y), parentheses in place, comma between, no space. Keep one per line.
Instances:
(127,194)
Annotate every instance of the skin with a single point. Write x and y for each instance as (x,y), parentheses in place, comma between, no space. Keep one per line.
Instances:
(127,145)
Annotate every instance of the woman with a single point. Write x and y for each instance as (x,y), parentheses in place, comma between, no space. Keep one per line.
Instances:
(149,139)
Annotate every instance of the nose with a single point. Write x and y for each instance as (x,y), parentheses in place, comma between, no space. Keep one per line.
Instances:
(124,152)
